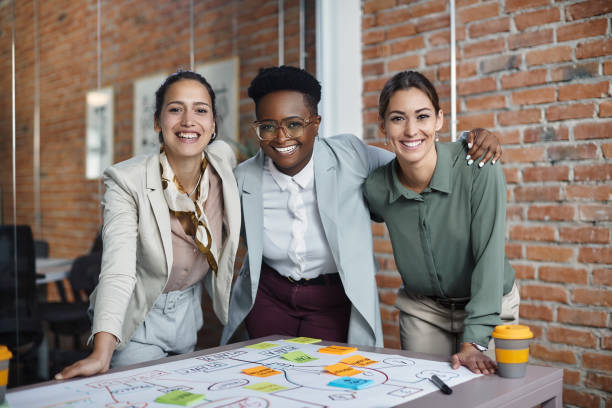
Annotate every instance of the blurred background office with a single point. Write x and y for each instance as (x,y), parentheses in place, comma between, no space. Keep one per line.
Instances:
(77,80)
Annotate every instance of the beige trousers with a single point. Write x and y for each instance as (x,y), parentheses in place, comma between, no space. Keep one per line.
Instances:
(427,327)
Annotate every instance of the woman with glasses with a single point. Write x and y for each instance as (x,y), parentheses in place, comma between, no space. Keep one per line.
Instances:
(310,268)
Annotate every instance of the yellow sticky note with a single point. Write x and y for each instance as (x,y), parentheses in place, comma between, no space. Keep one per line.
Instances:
(303,340)
(260,371)
(262,346)
(359,361)
(298,357)
(342,370)
(337,350)
(265,387)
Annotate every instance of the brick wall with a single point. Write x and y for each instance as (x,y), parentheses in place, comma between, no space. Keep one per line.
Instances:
(537,72)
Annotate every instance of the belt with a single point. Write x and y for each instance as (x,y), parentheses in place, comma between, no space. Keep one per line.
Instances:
(325,279)
(451,303)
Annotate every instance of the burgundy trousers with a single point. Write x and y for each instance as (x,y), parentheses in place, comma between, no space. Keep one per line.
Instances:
(320,310)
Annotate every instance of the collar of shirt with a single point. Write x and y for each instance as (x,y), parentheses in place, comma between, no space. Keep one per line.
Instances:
(441,180)
(302,179)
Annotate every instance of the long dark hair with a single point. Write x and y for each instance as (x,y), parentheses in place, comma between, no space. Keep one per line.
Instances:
(406,80)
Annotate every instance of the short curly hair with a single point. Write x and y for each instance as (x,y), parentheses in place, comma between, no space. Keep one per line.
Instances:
(286,78)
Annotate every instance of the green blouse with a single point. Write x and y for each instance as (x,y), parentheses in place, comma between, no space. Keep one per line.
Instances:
(448,241)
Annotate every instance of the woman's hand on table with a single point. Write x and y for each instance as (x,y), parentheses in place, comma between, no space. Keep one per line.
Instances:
(97,362)
(474,359)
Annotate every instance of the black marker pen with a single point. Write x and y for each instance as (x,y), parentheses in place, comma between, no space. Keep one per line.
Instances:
(440,384)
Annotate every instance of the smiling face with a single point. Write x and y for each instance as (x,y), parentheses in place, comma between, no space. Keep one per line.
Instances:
(289,155)
(186,120)
(410,123)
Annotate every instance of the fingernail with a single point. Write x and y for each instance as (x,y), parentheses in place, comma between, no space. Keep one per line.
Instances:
(469,145)
(467,157)
(480,164)
(493,162)
(470,162)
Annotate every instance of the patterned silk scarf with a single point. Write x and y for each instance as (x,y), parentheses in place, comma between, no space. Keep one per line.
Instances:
(190,213)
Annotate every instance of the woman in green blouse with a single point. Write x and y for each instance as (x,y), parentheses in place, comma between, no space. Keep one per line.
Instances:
(446,221)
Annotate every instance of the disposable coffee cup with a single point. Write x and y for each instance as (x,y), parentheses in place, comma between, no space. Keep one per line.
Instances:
(512,349)
(5,356)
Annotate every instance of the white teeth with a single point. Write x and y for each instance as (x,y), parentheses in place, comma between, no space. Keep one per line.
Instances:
(287,149)
(188,135)
(412,144)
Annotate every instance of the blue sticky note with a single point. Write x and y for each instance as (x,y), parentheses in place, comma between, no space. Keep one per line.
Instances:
(351,383)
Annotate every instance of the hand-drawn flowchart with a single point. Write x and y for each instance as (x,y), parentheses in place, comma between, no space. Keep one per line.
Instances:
(278,373)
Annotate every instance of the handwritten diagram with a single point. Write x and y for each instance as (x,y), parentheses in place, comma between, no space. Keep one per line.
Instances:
(273,380)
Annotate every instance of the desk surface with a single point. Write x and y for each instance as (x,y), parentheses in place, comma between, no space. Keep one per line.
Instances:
(541,385)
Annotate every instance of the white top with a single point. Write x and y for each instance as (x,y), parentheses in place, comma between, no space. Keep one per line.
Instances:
(294,242)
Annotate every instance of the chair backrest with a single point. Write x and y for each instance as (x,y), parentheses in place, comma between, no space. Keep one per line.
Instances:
(84,274)
(41,248)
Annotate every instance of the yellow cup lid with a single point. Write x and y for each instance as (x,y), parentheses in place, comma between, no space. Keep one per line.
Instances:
(5,353)
(512,332)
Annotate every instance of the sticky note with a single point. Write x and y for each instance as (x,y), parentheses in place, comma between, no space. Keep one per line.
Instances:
(340,369)
(260,371)
(303,340)
(357,360)
(179,397)
(265,387)
(262,346)
(351,383)
(337,350)
(298,357)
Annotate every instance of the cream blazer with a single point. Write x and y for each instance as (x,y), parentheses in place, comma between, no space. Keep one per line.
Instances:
(137,256)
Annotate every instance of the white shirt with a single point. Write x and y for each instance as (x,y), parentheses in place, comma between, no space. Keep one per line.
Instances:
(294,242)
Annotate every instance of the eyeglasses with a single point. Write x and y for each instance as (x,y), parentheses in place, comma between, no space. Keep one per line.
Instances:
(293,127)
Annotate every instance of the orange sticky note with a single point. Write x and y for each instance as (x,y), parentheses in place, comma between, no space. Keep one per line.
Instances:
(342,370)
(337,350)
(260,371)
(359,361)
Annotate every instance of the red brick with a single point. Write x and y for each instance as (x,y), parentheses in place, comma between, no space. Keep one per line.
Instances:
(574,111)
(562,274)
(545,134)
(523,79)
(606,342)
(541,292)
(512,175)
(519,117)
(581,398)
(549,55)
(534,96)
(491,46)
(530,39)
(514,5)
(514,251)
(602,277)
(595,297)
(389,315)
(595,318)
(524,271)
(403,30)
(607,68)
(387,297)
(515,213)
(535,233)
(584,91)
(437,55)
(582,151)
(593,172)
(591,28)
(586,192)
(599,130)
(595,255)
(605,110)
(599,381)
(549,253)
(373,68)
(374,85)
(383,246)
(574,71)
(392,16)
(580,338)
(599,48)
(389,282)
(524,154)
(408,44)
(571,377)
(433,23)
(536,330)
(368,21)
(537,18)
(542,352)
(597,361)
(404,63)
(378,229)
(588,235)
(372,6)
(500,25)
(443,37)
(376,51)
(481,12)
(606,149)
(510,136)
(373,37)
(430,7)
(535,312)
(500,63)
(553,173)
(485,120)
(588,9)
(486,102)
(476,86)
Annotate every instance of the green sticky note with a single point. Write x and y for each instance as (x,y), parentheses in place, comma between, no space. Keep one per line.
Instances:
(303,340)
(179,397)
(298,357)
(265,387)
(262,346)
